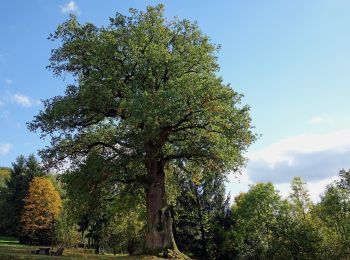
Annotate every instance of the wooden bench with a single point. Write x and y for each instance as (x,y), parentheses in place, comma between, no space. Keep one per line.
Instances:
(59,252)
(42,251)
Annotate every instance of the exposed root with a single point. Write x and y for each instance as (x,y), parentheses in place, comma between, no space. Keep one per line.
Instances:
(174,254)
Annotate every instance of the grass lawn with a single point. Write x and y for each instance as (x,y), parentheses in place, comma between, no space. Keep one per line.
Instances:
(11,249)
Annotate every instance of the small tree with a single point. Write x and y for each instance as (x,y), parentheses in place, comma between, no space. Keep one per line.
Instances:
(41,210)
(300,198)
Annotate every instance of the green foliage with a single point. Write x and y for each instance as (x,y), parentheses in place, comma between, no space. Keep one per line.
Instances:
(127,229)
(89,194)
(296,233)
(300,198)
(111,215)
(255,214)
(294,237)
(142,79)
(66,229)
(199,203)
(266,227)
(333,218)
(334,212)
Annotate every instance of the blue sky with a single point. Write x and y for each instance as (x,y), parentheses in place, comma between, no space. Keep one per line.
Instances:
(291,60)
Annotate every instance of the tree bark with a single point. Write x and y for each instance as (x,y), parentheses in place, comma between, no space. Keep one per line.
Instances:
(159,231)
(159,235)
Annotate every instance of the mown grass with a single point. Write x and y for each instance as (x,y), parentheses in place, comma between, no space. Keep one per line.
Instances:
(10,248)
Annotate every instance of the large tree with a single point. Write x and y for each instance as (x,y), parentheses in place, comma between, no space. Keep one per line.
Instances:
(146,93)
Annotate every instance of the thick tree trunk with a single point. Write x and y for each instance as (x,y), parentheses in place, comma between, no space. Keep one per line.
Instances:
(159,232)
(159,236)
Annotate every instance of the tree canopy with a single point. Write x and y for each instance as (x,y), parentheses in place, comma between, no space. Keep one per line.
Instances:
(143,80)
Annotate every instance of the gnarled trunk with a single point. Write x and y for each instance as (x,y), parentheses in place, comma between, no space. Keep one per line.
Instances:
(159,235)
(159,232)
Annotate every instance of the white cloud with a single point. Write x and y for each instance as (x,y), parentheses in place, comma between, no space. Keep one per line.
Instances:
(285,149)
(5,148)
(317,158)
(314,157)
(22,100)
(317,120)
(70,7)
(8,81)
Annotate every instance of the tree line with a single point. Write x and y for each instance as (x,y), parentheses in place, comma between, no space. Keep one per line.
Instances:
(94,212)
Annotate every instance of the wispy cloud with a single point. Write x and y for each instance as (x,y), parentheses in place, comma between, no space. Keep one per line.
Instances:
(8,81)
(4,115)
(5,148)
(70,7)
(22,100)
(317,120)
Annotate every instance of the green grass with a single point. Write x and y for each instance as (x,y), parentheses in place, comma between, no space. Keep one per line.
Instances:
(10,248)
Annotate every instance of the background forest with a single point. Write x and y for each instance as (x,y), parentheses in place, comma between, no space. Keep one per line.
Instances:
(92,213)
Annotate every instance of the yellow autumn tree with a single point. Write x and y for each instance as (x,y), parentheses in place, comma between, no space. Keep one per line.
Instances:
(41,210)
